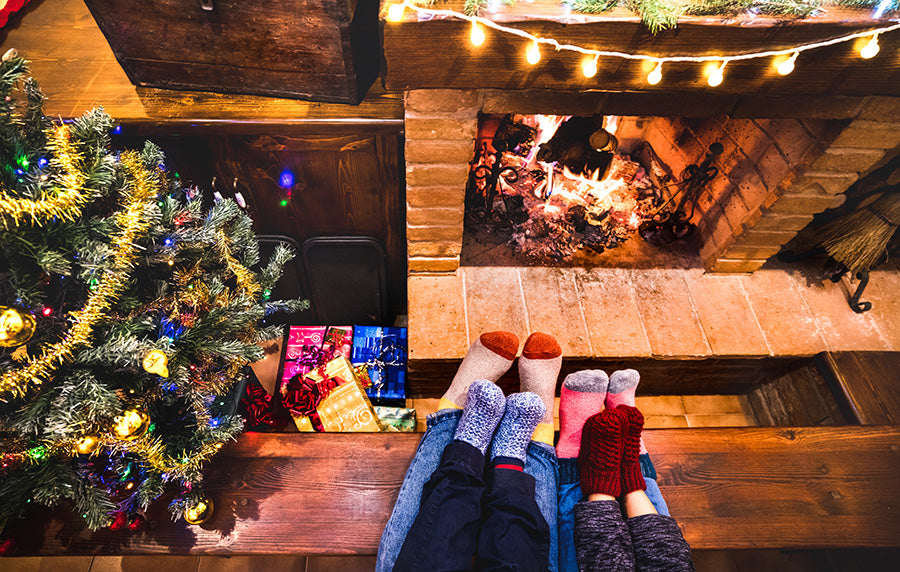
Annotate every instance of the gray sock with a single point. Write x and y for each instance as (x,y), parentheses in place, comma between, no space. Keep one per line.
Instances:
(484,409)
(523,413)
(587,381)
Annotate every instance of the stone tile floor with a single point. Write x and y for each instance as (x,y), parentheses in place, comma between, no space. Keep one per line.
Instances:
(639,312)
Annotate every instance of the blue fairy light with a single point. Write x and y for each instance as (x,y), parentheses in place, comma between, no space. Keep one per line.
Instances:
(168,242)
(287,179)
(42,162)
(117,129)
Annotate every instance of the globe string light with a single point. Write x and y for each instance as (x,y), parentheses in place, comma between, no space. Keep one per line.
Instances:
(396,11)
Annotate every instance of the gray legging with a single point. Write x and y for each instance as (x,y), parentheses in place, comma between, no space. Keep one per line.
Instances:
(647,543)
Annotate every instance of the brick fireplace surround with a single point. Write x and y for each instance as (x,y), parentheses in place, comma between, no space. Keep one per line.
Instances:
(783,163)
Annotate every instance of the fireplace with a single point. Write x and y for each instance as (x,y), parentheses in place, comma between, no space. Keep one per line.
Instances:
(789,150)
(772,174)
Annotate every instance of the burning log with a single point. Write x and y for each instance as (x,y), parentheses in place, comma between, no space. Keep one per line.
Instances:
(571,147)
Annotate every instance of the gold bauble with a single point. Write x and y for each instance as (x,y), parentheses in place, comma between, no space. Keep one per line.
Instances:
(200,512)
(156,361)
(131,425)
(16,327)
(87,444)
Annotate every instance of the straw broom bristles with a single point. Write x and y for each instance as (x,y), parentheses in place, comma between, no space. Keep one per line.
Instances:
(859,239)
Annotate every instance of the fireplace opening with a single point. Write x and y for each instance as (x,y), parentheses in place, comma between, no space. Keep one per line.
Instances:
(564,190)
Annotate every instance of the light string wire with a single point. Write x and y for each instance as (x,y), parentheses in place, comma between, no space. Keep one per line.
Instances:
(661,59)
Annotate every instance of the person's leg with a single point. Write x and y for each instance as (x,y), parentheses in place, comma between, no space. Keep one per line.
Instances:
(441,427)
(538,373)
(602,541)
(657,542)
(514,534)
(444,534)
(581,396)
(653,492)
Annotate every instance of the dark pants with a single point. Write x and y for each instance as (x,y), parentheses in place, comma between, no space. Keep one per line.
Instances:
(604,541)
(466,524)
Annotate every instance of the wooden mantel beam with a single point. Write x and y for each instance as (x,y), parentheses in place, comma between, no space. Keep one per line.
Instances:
(436,53)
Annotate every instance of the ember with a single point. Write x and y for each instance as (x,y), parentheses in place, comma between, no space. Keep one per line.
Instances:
(555,185)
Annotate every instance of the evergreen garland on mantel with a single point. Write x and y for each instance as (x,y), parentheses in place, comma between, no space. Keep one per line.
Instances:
(660,15)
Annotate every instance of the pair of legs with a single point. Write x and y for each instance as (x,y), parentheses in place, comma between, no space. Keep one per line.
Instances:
(584,394)
(472,519)
(489,358)
(609,463)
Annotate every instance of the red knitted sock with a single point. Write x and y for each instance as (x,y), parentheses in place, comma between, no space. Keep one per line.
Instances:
(601,453)
(632,479)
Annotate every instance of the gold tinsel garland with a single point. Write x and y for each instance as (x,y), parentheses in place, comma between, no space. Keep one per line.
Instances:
(64,201)
(144,187)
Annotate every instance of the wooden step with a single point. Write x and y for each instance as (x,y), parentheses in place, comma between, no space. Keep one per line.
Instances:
(869,383)
(331,494)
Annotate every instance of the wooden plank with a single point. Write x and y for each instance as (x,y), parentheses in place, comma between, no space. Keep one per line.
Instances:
(870,381)
(500,62)
(332,494)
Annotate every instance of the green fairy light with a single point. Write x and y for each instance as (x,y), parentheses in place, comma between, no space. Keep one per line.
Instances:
(267,294)
(23,162)
(38,453)
(284,202)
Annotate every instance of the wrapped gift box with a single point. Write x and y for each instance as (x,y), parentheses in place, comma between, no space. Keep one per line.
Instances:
(384,352)
(330,398)
(400,419)
(309,347)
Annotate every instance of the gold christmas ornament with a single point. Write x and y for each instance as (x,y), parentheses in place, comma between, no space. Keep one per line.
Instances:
(16,327)
(87,444)
(157,362)
(199,512)
(131,425)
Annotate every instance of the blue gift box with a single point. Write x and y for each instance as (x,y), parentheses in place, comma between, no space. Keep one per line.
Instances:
(384,351)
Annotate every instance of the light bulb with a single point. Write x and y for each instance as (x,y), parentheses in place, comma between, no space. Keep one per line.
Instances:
(787,66)
(589,66)
(715,78)
(395,12)
(655,76)
(533,55)
(477,36)
(871,49)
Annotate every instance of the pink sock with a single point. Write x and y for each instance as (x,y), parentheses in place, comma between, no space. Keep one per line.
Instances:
(622,387)
(581,396)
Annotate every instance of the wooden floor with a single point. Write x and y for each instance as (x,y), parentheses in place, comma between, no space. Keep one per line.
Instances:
(705,561)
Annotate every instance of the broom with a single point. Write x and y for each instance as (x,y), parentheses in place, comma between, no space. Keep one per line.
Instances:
(860,238)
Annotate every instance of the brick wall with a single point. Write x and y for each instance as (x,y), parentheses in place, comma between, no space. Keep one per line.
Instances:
(440,131)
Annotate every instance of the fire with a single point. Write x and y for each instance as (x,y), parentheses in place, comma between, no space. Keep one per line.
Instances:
(546,129)
(593,185)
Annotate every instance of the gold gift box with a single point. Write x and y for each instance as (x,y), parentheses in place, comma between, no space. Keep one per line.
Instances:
(347,408)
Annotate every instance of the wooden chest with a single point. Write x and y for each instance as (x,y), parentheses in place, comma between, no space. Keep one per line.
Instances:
(321,50)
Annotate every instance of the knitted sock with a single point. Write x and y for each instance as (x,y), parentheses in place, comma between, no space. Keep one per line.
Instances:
(581,396)
(484,409)
(622,386)
(538,372)
(523,411)
(600,456)
(489,357)
(632,479)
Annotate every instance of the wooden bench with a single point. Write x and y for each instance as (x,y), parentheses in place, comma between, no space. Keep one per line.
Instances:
(331,494)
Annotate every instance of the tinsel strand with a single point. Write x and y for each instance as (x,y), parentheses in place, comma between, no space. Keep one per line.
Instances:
(64,201)
(144,187)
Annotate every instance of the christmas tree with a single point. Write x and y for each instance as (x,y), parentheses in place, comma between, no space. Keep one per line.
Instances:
(127,314)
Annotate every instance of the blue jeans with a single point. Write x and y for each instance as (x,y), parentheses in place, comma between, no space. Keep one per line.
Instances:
(540,464)
(570,494)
